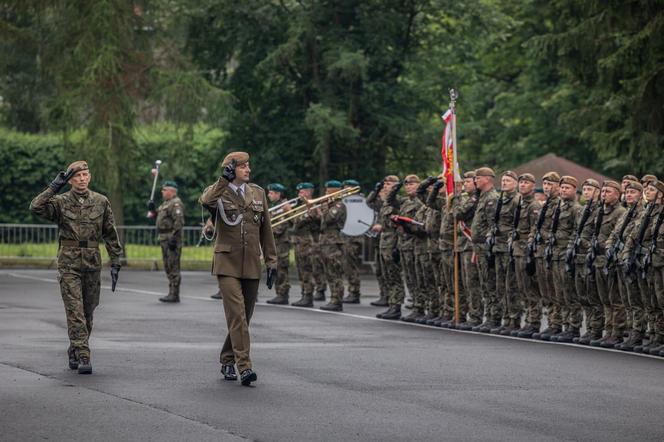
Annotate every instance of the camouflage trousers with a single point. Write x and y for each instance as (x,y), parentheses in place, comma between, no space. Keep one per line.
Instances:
(546,290)
(351,264)
(652,310)
(447,301)
(282,285)
(333,256)
(488,287)
(529,293)
(304,265)
(379,272)
(426,280)
(392,276)
(586,289)
(408,266)
(435,306)
(171,259)
(627,284)
(566,301)
(658,317)
(614,311)
(509,299)
(318,269)
(471,283)
(80,294)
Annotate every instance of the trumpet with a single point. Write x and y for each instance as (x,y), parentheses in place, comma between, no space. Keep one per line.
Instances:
(313,204)
(293,202)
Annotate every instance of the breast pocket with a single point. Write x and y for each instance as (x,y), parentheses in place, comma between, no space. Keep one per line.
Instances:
(231,210)
(257,213)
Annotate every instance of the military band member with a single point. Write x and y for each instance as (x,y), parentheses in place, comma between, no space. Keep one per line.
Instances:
(170,220)
(276,193)
(352,259)
(240,211)
(84,219)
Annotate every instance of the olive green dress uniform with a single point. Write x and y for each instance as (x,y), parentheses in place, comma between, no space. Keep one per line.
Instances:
(408,207)
(331,243)
(607,285)
(465,212)
(480,228)
(508,302)
(527,284)
(283,243)
(170,220)
(236,262)
(84,220)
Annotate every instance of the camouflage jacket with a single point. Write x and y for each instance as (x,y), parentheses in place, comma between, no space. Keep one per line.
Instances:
(332,220)
(408,207)
(530,210)
(569,211)
(631,231)
(170,219)
(388,235)
(506,221)
(586,233)
(464,210)
(282,231)
(658,254)
(484,217)
(612,215)
(86,219)
(545,231)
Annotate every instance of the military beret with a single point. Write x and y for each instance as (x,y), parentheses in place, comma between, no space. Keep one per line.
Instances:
(552,176)
(567,179)
(645,179)
(334,184)
(276,187)
(634,185)
(411,179)
(629,178)
(527,177)
(352,183)
(77,166)
(512,175)
(659,185)
(169,183)
(612,184)
(391,179)
(591,182)
(239,157)
(305,185)
(469,174)
(485,171)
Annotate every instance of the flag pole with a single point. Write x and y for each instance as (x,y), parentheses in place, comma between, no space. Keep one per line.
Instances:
(455,253)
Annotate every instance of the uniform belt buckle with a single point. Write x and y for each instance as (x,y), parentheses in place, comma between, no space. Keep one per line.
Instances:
(82,243)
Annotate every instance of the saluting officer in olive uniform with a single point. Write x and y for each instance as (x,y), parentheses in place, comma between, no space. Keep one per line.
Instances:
(84,219)
(277,195)
(170,220)
(240,211)
(352,259)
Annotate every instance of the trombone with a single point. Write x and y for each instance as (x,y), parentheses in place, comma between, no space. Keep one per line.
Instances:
(275,210)
(312,204)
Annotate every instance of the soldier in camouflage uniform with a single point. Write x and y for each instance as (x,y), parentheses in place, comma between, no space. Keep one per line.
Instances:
(446,250)
(375,201)
(465,211)
(303,244)
(84,219)
(170,220)
(551,187)
(584,281)
(276,193)
(656,275)
(508,302)
(332,217)
(431,269)
(565,298)
(408,207)
(527,291)
(389,252)
(482,223)
(352,259)
(607,284)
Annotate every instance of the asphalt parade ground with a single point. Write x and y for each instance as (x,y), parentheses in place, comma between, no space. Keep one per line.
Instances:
(321,376)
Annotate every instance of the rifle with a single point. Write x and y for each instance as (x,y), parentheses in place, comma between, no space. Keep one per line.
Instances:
(537,240)
(647,259)
(573,247)
(618,243)
(515,234)
(594,245)
(548,251)
(491,239)
(630,265)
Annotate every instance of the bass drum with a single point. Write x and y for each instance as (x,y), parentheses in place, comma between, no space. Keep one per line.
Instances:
(359,216)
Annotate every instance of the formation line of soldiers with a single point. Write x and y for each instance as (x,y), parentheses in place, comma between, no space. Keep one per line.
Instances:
(521,256)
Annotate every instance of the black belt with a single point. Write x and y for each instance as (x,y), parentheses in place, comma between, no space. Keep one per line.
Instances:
(165,230)
(74,243)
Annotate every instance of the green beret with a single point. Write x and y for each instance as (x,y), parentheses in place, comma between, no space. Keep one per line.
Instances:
(335,184)
(170,183)
(276,187)
(304,185)
(352,183)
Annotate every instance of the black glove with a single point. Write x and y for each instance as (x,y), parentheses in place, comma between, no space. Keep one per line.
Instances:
(151,206)
(396,256)
(115,270)
(60,180)
(424,185)
(172,243)
(478,193)
(379,186)
(229,171)
(271,277)
(437,185)
(393,193)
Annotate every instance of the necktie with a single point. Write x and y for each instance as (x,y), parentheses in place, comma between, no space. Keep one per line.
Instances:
(239,192)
